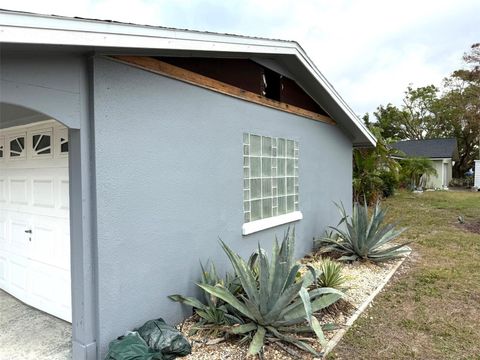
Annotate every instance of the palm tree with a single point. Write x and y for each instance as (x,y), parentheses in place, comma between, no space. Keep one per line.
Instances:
(416,170)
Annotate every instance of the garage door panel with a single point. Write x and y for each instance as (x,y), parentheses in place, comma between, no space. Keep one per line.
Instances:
(3,233)
(44,240)
(63,248)
(43,193)
(19,239)
(3,193)
(18,275)
(50,292)
(18,191)
(3,269)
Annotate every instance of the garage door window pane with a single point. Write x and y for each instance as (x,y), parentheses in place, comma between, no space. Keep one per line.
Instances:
(17,146)
(42,144)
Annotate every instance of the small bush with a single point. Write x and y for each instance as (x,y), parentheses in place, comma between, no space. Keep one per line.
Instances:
(331,274)
(327,273)
(390,183)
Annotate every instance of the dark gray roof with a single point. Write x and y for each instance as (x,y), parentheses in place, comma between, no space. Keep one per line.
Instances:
(430,148)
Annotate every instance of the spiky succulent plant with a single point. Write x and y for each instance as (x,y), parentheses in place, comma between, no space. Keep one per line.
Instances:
(363,238)
(274,305)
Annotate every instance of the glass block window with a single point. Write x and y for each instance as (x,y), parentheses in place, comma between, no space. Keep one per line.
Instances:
(270,172)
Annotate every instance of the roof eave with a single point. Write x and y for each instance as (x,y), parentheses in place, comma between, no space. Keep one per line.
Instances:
(27,28)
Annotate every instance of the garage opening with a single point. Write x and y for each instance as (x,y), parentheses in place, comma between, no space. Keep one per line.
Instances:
(35,279)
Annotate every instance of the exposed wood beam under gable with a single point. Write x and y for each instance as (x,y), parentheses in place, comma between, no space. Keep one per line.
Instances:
(162,68)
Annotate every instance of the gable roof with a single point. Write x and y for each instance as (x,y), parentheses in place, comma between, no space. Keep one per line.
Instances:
(430,148)
(111,37)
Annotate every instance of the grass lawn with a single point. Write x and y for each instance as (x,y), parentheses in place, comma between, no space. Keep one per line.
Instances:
(431,308)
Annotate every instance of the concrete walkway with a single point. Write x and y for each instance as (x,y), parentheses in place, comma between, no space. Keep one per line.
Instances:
(27,333)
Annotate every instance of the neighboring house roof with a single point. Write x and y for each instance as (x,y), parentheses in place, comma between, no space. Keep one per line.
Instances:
(111,37)
(429,148)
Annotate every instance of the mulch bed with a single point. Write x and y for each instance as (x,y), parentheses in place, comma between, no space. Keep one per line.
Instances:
(362,279)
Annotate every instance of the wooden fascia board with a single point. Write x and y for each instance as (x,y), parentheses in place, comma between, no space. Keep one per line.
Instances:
(162,68)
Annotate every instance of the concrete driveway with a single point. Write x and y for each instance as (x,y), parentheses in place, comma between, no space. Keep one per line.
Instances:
(27,333)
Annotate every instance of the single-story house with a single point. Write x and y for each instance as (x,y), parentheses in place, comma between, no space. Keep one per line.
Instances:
(476,181)
(126,151)
(442,153)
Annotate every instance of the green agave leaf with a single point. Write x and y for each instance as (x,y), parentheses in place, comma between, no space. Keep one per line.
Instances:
(245,274)
(243,329)
(187,300)
(312,320)
(254,310)
(228,297)
(317,328)
(310,277)
(285,298)
(319,298)
(263,281)
(299,344)
(257,342)
(291,276)
(325,301)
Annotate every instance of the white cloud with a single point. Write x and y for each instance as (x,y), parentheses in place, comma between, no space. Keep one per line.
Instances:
(369,50)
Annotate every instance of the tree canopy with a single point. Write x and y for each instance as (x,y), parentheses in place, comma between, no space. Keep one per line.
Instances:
(428,112)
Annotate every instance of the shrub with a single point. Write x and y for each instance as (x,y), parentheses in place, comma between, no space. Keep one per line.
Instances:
(331,274)
(363,238)
(327,274)
(390,183)
(273,301)
(416,170)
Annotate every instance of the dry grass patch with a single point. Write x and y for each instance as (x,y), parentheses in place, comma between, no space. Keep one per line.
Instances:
(431,309)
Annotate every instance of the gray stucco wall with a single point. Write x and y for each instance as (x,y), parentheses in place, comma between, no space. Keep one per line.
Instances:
(50,82)
(169,183)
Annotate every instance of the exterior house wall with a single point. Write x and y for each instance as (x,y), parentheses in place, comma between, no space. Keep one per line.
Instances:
(52,83)
(477,174)
(169,183)
(436,181)
(56,83)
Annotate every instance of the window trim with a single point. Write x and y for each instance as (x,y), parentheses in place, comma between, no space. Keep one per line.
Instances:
(267,223)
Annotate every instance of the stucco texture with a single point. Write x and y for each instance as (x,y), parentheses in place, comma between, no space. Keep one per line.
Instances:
(169,183)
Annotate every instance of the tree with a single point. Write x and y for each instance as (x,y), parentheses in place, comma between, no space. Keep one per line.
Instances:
(452,111)
(372,168)
(415,119)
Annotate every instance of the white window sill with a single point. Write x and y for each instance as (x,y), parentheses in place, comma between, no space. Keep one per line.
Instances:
(258,225)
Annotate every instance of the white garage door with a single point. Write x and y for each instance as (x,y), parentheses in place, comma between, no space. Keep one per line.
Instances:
(34,216)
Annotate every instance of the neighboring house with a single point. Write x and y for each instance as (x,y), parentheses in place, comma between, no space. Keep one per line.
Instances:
(476,181)
(442,153)
(126,151)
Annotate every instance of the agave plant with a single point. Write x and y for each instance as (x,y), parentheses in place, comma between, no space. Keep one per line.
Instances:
(363,238)
(274,305)
(213,311)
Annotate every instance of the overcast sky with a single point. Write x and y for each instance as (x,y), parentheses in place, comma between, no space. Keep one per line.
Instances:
(369,50)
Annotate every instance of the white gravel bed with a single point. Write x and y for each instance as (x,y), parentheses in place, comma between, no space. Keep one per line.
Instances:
(362,279)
